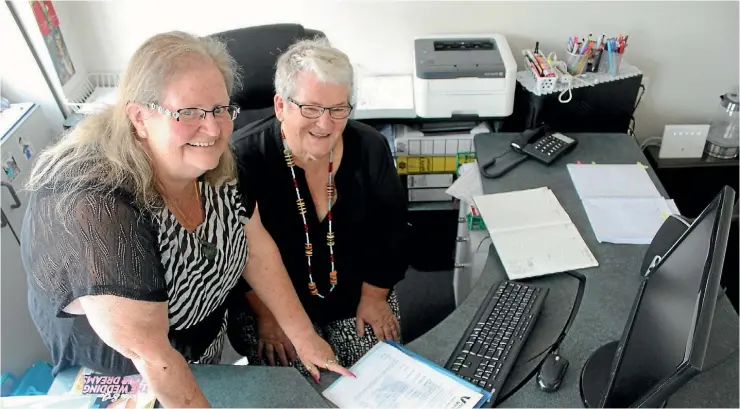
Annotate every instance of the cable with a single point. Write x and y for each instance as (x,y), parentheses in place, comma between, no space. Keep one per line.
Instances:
(492,162)
(643,90)
(555,345)
(481,243)
(573,312)
(647,142)
(633,121)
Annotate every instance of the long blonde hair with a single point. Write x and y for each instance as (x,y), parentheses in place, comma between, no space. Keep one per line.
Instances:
(101,153)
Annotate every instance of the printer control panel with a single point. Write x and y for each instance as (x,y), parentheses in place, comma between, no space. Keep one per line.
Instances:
(462,45)
(466,57)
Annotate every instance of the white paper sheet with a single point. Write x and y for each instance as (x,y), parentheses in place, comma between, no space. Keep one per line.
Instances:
(468,185)
(533,234)
(612,181)
(388,378)
(386,92)
(522,209)
(621,201)
(537,251)
(628,220)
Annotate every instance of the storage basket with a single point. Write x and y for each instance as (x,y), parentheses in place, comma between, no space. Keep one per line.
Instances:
(97,92)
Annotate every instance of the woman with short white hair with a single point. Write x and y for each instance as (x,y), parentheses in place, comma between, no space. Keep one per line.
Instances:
(136,231)
(330,197)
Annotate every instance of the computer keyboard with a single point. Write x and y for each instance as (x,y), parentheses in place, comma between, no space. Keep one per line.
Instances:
(490,345)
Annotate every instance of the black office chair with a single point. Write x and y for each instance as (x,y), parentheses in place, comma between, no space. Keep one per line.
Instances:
(256,50)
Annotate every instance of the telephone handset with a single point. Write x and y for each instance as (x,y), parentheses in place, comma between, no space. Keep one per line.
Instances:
(543,145)
(539,143)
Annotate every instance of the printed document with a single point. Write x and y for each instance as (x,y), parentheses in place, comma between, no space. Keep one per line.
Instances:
(621,202)
(533,234)
(468,184)
(389,378)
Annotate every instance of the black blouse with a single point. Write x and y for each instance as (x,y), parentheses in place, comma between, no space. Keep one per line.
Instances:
(369,218)
(104,244)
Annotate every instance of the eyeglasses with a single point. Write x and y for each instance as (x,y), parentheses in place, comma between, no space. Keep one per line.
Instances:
(195,115)
(315,111)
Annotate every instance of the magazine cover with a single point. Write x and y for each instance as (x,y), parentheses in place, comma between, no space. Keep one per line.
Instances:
(114,391)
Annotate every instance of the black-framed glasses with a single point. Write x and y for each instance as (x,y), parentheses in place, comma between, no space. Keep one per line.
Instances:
(315,111)
(193,115)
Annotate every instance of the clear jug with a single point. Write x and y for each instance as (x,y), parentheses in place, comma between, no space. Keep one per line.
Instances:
(724,137)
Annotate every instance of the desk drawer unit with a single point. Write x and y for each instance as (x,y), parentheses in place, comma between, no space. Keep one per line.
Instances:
(471,252)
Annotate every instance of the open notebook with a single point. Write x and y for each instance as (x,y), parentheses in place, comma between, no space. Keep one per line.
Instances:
(533,234)
(621,201)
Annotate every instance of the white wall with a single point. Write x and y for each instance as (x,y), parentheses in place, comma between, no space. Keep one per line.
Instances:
(689,50)
(21,78)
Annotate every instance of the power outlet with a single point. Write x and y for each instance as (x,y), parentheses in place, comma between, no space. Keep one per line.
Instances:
(683,141)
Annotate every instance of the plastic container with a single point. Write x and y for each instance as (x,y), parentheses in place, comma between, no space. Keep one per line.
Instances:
(576,63)
(35,381)
(96,93)
(723,140)
(610,61)
(543,85)
(594,60)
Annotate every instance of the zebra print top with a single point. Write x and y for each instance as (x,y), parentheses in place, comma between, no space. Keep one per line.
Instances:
(105,245)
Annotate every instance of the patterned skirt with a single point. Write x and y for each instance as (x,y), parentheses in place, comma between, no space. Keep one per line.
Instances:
(341,335)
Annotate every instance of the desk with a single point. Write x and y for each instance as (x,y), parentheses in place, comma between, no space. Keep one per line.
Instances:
(609,294)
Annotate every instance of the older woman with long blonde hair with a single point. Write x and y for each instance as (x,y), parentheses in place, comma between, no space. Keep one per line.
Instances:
(136,231)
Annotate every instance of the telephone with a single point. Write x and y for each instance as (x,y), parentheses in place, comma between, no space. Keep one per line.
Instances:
(540,143)
(543,144)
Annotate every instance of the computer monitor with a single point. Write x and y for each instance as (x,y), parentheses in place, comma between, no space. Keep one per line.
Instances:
(665,340)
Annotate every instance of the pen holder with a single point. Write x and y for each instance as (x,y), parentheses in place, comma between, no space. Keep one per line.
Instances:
(543,85)
(576,63)
(610,61)
(594,61)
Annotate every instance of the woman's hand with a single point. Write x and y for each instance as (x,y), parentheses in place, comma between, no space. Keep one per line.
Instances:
(316,353)
(266,273)
(272,340)
(375,311)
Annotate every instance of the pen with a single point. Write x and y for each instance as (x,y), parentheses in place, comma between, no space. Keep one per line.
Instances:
(546,69)
(611,58)
(533,63)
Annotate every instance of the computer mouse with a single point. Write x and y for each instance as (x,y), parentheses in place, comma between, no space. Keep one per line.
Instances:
(552,372)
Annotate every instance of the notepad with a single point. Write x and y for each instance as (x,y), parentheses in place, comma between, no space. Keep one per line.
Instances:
(390,376)
(533,234)
(621,202)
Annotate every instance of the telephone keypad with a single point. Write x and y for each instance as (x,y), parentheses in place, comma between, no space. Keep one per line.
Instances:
(550,147)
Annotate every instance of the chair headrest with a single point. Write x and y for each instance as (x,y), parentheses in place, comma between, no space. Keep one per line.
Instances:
(256,50)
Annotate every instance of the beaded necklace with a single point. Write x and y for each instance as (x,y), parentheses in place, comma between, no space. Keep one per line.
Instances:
(302,211)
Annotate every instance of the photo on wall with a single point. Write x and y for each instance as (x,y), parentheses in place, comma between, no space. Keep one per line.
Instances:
(48,23)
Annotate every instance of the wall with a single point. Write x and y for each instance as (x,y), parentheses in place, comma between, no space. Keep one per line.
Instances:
(21,78)
(688,50)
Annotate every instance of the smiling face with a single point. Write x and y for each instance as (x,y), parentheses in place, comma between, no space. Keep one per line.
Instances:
(312,139)
(186,148)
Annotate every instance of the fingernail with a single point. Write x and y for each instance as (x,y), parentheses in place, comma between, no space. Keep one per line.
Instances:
(316,380)
(353,375)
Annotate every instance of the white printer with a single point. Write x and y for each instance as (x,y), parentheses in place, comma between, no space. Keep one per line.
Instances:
(463,74)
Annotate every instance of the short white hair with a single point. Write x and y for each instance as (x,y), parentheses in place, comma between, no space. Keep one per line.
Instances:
(318,57)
